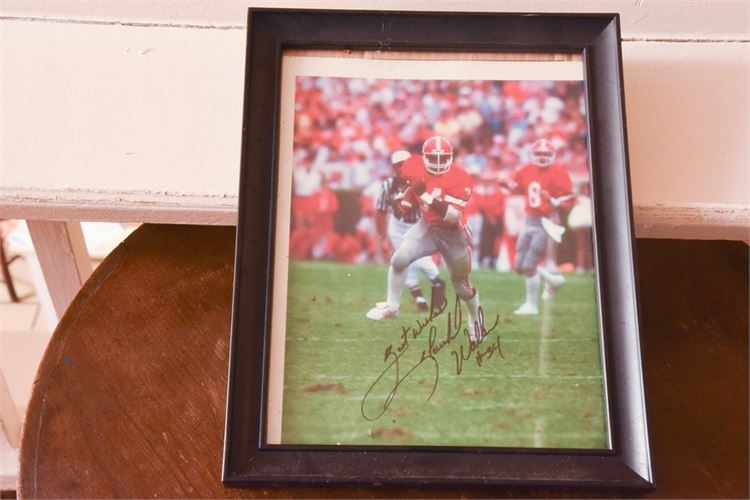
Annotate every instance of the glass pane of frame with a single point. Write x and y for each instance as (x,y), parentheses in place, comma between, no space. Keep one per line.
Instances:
(434,263)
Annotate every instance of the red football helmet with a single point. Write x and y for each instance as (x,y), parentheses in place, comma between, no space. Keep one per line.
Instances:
(437,154)
(542,153)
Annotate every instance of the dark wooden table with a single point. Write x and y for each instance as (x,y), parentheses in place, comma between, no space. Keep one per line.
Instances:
(129,399)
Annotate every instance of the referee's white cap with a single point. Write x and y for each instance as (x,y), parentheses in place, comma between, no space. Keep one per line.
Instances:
(399,156)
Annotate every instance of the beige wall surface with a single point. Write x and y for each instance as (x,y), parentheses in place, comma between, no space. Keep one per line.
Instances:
(112,106)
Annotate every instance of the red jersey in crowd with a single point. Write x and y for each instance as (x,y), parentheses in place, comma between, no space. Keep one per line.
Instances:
(492,205)
(538,184)
(327,205)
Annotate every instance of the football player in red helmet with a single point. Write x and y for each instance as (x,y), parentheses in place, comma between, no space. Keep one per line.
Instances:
(437,154)
(393,223)
(542,153)
(441,190)
(546,187)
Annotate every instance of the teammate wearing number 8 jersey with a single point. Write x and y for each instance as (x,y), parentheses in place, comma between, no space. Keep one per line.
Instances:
(546,186)
(440,190)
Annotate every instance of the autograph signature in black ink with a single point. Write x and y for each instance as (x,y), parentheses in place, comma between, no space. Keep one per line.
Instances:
(453,329)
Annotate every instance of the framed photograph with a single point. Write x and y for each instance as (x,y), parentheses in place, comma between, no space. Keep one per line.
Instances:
(434,277)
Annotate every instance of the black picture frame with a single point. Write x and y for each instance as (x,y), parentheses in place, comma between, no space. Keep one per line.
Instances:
(247,460)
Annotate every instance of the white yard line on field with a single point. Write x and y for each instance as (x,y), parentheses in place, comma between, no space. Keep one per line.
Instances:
(539,432)
(544,340)
(543,367)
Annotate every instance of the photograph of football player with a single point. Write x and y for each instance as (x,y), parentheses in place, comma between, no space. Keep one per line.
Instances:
(546,187)
(392,223)
(440,190)
(417,211)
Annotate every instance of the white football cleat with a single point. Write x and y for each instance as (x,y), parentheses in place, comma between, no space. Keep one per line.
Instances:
(527,310)
(555,279)
(551,278)
(379,313)
(476,336)
(552,282)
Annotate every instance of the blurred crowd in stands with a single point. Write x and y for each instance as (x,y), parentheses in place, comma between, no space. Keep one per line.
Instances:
(346,129)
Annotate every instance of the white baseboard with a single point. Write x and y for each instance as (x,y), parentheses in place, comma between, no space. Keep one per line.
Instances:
(652,220)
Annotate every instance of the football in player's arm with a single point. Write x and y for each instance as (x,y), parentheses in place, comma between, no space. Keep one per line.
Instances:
(441,190)
(546,187)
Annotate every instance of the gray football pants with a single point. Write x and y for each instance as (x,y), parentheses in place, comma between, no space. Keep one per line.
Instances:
(531,246)
(454,244)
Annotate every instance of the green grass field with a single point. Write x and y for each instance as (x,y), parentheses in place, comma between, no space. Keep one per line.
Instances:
(545,391)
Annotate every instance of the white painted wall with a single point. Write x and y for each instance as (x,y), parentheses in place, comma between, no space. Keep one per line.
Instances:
(118,107)
(687,110)
(113,108)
